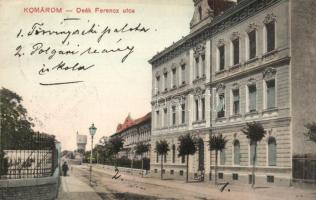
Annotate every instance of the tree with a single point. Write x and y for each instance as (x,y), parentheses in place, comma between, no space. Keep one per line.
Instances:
(16,127)
(187,147)
(142,148)
(116,145)
(162,148)
(217,143)
(254,132)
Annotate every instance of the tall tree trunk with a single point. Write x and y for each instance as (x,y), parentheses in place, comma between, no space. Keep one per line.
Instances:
(161,166)
(216,152)
(210,165)
(187,179)
(141,157)
(254,166)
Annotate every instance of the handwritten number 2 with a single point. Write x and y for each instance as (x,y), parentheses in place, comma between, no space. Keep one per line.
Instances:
(18,51)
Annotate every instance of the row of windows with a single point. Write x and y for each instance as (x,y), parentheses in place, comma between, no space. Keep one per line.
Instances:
(173,153)
(251,46)
(271,150)
(178,77)
(251,99)
(235,177)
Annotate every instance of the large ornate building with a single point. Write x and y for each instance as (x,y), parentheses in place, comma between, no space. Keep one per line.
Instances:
(133,132)
(242,62)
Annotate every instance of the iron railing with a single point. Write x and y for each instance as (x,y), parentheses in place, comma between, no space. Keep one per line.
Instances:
(33,157)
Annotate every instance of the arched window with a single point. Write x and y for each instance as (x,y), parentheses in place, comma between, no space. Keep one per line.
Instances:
(236,152)
(173,153)
(272,151)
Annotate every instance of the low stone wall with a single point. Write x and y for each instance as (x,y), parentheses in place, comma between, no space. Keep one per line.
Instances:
(30,189)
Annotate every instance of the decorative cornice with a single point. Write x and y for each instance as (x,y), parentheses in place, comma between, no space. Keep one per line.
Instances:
(251,81)
(269,73)
(252,27)
(235,36)
(220,87)
(228,19)
(269,18)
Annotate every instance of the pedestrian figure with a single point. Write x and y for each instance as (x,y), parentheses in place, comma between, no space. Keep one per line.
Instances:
(65,168)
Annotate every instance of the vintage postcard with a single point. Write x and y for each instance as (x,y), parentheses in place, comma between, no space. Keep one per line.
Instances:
(157,99)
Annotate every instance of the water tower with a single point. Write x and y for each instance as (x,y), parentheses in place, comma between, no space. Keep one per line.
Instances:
(81,142)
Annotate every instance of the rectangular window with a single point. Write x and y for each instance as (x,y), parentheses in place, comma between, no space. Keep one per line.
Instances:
(270,94)
(181,172)
(165,117)
(166,81)
(221,105)
(157,119)
(196,110)
(156,170)
(173,115)
(250,179)
(235,177)
(157,84)
(252,89)
(183,73)
(220,175)
(172,171)
(236,51)
(270,179)
(165,158)
(157,157)
(197,73)
(182,159)
(252,44)
(203,65)
(235,102)
(183,113)
(221,51)
(163,171)
(174,77)
(203,108)
(270,27)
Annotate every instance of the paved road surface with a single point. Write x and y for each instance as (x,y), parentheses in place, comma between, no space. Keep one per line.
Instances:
(129,187)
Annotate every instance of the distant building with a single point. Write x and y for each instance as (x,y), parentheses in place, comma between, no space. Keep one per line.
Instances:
(134,132)
(81,142)
(244,62)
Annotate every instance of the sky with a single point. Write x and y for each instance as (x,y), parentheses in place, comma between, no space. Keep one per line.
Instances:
(110,89)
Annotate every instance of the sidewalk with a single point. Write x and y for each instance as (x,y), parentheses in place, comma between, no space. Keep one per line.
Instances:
(73,189)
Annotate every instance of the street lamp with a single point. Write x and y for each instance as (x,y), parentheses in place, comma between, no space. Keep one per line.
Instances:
(92,131)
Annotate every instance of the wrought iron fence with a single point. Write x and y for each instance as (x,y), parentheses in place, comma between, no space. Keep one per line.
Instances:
(32,157)
(304,169)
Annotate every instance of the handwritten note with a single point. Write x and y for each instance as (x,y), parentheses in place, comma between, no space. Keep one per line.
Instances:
(75,38)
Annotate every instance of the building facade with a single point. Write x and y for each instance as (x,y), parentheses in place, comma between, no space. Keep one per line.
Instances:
(134,132)
(244,62)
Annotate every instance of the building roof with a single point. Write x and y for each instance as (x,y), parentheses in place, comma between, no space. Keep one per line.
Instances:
(129,122)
